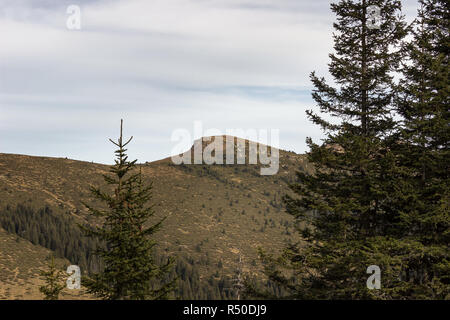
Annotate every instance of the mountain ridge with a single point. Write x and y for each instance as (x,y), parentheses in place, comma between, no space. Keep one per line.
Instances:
(214,212)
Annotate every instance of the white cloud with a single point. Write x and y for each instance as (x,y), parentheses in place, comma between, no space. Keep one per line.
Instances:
(160,64)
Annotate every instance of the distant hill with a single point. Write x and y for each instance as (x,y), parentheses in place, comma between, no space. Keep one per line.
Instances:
(214,212)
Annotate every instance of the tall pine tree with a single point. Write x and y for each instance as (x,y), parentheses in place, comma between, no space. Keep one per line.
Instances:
(423,154)
(348,219)
(130,271)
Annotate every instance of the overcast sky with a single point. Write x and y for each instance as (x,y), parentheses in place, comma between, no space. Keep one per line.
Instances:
(160,65)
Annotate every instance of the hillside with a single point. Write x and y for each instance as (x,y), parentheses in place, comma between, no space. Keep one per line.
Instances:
(214,212)
(20,265)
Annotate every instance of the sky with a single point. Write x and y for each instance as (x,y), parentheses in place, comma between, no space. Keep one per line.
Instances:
(160,65)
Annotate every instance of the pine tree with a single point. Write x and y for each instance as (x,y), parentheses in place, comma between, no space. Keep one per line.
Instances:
(423,153)
(130,271)
(54,280)
(347,220)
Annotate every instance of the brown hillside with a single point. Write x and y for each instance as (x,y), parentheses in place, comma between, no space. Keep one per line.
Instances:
(214,212)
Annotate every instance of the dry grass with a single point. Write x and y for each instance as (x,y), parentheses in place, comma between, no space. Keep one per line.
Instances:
(213,212)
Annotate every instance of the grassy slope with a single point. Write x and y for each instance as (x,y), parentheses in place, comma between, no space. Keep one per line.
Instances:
(20,265)
(214,212)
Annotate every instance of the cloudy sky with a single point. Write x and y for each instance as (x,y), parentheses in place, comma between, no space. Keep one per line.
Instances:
(160,65)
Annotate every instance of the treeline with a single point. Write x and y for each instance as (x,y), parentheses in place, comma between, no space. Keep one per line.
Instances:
(61,234)
(214,287)
(56,232)
(191,286)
